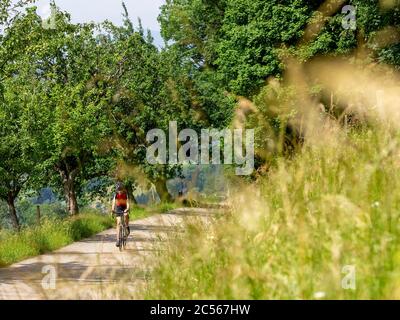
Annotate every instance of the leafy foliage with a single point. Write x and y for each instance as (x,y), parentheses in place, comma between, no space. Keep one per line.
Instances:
(77,100)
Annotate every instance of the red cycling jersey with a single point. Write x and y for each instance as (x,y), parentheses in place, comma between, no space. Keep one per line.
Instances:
(121,200)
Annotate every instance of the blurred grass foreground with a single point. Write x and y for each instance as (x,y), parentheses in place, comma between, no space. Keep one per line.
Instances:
(333,206)
(322,221)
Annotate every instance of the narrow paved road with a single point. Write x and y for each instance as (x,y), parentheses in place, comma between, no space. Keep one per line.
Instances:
(94,268)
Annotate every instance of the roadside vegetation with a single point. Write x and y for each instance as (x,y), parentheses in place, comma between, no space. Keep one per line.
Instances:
(319,218)
(315,219)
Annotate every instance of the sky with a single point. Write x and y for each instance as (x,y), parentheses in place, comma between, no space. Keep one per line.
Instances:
(100,10)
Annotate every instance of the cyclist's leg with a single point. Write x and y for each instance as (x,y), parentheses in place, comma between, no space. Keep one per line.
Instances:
(118,224)
(127,223)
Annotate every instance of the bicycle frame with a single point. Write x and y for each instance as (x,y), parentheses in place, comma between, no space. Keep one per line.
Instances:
(122,236)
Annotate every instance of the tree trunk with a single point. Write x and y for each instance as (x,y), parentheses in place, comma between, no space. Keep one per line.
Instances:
(68,181)
(38,215)
(70,196)
(194,179)
(129,188)
(13,212)
(162,190)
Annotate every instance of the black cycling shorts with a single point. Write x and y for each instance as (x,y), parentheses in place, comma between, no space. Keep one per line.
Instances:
(119,211)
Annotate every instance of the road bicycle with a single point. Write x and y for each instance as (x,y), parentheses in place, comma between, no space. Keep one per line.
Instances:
(122,230)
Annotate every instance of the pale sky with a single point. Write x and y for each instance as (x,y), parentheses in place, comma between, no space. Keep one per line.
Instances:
(100,10)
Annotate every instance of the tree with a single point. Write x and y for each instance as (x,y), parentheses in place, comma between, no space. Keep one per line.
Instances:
(62,68)
(243,41)
(10,9)
(19,150)
(21,118)
(237,45)
(153,88)
(137,106)
(75,91)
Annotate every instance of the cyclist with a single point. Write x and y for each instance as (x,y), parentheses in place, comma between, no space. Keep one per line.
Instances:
(120,207)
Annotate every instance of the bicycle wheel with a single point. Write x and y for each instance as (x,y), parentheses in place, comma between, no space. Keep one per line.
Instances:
(121,238)
(124,241)
(125,236)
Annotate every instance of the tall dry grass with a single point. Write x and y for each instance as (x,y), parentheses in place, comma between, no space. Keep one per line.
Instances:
(332,208)
(292,235)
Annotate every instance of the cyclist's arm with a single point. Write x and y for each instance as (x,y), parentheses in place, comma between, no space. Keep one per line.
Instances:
(113,205)
(127,203)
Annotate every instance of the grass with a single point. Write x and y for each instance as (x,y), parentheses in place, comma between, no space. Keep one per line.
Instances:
(165,207)
(139,212)
(323,225)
